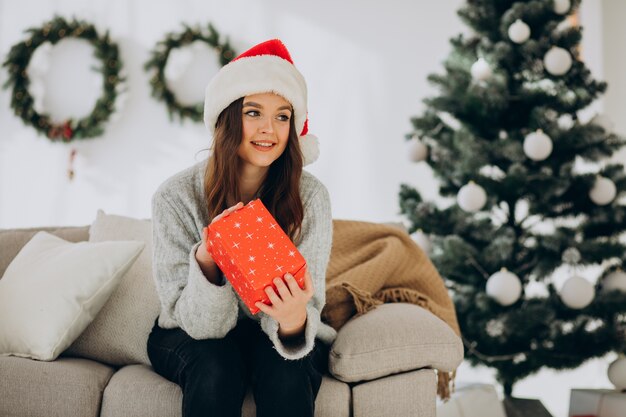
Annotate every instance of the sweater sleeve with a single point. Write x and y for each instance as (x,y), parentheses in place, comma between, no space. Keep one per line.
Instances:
(315,245)
(203,310)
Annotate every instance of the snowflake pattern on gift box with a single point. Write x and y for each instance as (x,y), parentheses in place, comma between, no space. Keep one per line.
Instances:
(251,249)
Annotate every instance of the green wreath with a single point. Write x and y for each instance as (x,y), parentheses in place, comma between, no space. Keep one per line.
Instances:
(22,101)
(160,55)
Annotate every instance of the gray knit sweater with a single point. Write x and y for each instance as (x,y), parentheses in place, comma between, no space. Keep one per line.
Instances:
(204,310)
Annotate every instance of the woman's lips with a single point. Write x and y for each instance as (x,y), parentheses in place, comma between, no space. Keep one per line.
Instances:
(263,148)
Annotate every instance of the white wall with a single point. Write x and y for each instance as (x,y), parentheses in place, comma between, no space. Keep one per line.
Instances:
(364,84)
(366,64)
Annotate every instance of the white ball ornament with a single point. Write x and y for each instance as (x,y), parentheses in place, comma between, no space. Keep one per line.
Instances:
(577,292)
(557,61)
(614,281)
(565,121)
(422,240)
(471,197)
(617,373)
(519,32)
(504,287)
(537,145)
(603,191)
(481,70)
(418,151)
(561,6)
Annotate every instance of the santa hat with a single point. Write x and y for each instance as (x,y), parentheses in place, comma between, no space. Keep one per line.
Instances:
(264,68)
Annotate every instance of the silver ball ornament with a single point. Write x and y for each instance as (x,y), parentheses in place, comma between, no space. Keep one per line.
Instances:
(577,292)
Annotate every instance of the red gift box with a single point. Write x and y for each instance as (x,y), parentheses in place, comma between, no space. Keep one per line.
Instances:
(251,249)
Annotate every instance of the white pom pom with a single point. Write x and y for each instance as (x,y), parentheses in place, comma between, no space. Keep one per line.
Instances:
(309,145)
(505,287)
(519,32)
(422,240)
(617,373)
(537,145)
(557,61)
(561,6)
(471,197)
(577,292)
(418,151)
(481,70)
(603,191)
(614,281)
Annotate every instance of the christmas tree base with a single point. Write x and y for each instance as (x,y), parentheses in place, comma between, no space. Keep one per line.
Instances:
(524,407)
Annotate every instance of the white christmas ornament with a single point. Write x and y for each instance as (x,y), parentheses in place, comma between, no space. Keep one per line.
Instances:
(615,281)
(565,121)
(471,197)
(617,373)
(418,151)
(537,145)
(577,292)
(561,6)
(481,70)
(569,97)
(557,61)
(603,191)
(564,25)
(422,240)
(504,287)
(519,32)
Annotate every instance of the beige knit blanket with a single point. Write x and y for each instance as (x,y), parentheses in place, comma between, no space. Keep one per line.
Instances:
(371,264)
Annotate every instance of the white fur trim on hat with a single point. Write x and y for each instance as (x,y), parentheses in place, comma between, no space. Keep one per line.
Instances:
(254,75)
(310,147)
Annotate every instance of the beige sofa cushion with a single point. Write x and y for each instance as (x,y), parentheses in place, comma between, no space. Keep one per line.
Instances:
(53,289)
(119,333)
(138,391)
(12,240)
(408,394)
(65,387)
(393,338)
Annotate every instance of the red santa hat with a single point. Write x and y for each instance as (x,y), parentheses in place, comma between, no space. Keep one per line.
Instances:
(264,68)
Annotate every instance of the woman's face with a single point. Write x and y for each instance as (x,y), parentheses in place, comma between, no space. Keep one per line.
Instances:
(265,128)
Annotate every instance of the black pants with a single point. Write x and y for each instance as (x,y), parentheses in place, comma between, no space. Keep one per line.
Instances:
(214,373)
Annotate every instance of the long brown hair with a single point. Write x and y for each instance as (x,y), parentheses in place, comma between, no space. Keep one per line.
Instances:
(280,191)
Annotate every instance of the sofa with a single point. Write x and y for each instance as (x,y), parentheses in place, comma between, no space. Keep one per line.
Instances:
(381,364)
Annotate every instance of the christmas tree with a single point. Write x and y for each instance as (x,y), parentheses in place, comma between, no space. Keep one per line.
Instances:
(533,195)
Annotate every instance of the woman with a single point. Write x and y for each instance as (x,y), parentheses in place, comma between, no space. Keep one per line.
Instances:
(205,339)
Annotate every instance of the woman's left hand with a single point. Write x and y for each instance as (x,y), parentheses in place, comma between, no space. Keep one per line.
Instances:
(289,305)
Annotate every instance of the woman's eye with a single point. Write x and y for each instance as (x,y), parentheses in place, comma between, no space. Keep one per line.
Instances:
(283,118)
(256,113)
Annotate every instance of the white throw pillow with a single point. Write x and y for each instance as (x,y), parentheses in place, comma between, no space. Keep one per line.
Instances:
(119,334)
(53,289)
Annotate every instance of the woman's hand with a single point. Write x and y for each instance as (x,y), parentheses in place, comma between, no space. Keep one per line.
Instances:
(289,304)
(204,258)
(202,254)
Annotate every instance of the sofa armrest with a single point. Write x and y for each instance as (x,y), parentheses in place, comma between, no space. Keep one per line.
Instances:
(393,338)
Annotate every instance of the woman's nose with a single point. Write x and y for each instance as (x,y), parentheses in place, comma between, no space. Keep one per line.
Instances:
(266,125)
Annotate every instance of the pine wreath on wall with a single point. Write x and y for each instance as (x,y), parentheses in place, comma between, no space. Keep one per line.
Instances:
(22,100)
(158,62)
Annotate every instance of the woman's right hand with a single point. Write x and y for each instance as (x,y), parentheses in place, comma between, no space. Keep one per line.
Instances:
(202,254)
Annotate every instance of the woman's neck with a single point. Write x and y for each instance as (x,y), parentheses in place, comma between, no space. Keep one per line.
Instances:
(250,180)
